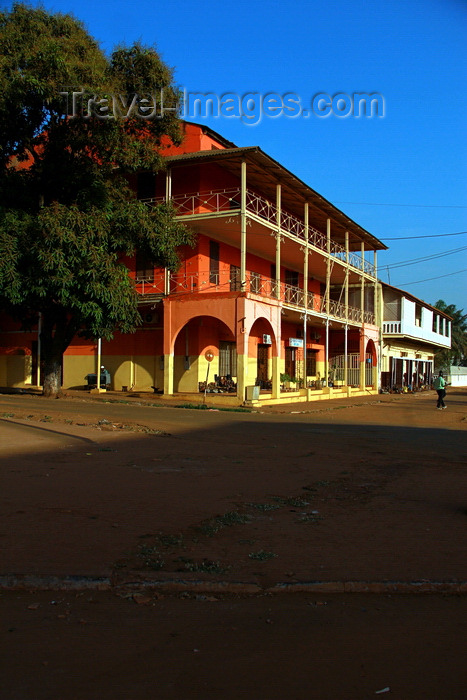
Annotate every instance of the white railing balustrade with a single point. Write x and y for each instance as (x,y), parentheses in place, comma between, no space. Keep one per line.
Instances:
(261,207)
(179,283)
(392,327)
(150,286)
(230,199)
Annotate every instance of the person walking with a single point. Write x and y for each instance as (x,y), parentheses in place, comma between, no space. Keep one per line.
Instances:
(439,385)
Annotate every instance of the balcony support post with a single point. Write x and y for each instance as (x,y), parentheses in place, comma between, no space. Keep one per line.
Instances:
(243,228)
(375,304)
(346,292)
(168,197)
(362,284)
(304,349)
(305,261)
(278,240)
(168,185)
(168,350)
(326,357)
(328,267)
(166,281)
(346,355)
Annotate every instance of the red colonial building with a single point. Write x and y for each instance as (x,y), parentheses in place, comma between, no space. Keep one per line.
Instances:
(279,292)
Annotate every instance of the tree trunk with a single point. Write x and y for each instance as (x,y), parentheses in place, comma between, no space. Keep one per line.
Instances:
(56,335)
(52,381)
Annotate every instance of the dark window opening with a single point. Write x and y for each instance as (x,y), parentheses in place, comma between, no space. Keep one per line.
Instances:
(213,262)
(144,268)
(291,284)
(227,359)
(291,278)
(310,363)
(146,185)
(235,279)
(418,315)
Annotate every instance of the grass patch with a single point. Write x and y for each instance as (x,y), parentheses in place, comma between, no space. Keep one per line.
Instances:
(170,540)
(196,406)
(204,407)
(213,525)
(262,555)
(264,507)
(206,566)
(151,557)
(293,501)
(8,415)
(310,518)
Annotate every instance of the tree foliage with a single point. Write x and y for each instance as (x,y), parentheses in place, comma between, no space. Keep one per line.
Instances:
(457,355)
(67,214)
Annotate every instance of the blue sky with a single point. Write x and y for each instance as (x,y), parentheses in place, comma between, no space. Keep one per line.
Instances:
(402,175)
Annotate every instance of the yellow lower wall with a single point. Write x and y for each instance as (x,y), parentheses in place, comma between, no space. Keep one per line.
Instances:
(15,370)
(140,373)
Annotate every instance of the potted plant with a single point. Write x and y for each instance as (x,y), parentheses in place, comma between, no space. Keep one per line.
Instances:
(287,380)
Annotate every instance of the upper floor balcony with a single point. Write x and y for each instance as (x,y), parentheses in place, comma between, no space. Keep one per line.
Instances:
(409,317)
(217,202)
(416,331)
(160,285)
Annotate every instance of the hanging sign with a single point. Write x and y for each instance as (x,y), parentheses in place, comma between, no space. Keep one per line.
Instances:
(295,343)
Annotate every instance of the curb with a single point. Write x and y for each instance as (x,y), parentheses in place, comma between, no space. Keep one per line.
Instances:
(78,583)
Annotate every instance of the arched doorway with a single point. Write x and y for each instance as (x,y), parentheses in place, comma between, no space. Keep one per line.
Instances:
(261,351)
(190,366)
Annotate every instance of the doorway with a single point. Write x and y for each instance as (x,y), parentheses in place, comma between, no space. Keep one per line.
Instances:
(290,361)
(262,364)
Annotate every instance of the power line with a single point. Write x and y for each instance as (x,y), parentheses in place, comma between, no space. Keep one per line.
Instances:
(406,284)
(415,261)
(435,235)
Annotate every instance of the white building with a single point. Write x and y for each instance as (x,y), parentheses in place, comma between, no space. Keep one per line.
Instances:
(457,376)
(412,333)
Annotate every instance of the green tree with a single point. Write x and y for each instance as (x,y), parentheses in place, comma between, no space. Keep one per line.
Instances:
(67,214)
(458,351)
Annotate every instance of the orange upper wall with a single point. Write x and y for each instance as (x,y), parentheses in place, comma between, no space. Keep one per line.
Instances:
(195,139)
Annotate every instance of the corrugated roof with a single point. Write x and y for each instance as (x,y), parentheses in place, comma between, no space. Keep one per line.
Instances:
(264,173)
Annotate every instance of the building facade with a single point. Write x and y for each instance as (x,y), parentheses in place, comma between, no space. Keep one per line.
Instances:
(280,291)
(413,332)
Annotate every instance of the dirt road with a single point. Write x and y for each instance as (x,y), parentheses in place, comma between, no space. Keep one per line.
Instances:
(369,490)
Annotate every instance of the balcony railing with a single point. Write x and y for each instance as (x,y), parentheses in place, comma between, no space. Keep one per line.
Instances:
(184,283)
(229,199)
(392,327)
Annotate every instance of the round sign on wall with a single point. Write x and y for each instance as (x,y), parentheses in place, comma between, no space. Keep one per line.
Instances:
(209,355)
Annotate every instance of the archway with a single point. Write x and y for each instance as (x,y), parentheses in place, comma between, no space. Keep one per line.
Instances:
(190,367)
(262,349)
